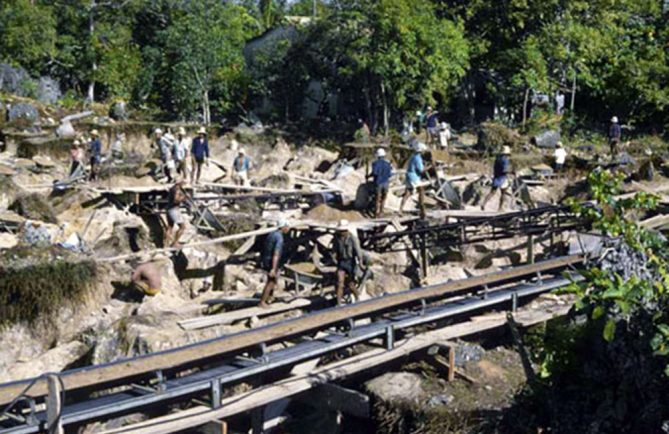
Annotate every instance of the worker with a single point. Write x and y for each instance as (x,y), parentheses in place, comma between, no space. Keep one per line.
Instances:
(240,168)
(117,146)
(444,135)
(363,134)
(432,122)
(349,258)
(181,153)
(382,171)
(200,153)
(176,198)
(165,145)
(415,172)
(615,134)
(95,150)
(501,171)
(76,160)
(560,156)
(271,261)
(146,278)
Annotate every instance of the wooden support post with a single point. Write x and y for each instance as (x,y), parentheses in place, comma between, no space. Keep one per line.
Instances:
(423,256)
(451,363)
(54,406)
(530,249)
(215,427)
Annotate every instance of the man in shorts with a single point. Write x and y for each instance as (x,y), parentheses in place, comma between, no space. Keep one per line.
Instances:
(382,171)
(500,181)
(271,261)
(349,257)
(415,172)
(176,197)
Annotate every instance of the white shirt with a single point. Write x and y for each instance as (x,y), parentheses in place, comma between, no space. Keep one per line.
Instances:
(560,155)
(181,149)
(444,136)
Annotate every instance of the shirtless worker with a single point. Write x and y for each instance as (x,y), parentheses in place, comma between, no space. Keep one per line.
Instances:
(176,197)
(271,261)
(146,278)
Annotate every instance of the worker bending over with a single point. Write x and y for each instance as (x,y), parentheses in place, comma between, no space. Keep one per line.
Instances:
(146,278)
(382,171)
(349,258)
(501,182)
(271,261)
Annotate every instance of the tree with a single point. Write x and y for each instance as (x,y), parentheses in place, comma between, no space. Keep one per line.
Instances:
(27,34)
(203,52)
(395,53)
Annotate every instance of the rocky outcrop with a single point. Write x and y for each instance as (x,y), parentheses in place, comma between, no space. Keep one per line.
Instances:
(23,112)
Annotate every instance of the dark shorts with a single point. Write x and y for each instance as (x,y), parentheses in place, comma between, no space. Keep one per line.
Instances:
(95,161)
(199,160)
(382,189)
(347,265)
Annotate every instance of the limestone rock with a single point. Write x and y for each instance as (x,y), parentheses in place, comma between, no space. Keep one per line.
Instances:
(54,360)
(119,111)
(12,79)
(65,130)
(402,387)
(48,90)
(23,111)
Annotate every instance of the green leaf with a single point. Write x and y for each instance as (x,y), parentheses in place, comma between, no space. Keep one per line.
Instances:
(597,312)
(609,330)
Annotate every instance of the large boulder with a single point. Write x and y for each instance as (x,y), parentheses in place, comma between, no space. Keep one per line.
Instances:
(398,387)
(119,111)
(12,79)
(23,112)
(48,91)
(65,130)
(546,139)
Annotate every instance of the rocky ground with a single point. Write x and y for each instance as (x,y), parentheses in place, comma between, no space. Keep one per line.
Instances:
(106,321)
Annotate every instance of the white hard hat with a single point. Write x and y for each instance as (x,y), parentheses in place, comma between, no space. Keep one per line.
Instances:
(202,130)
(158,131)
(559,144)
(95,133)
(182,131)
(76,143)
(421,147)
(343,225)
(242,151)
(283,223)
(380,152)
(614,119)
(444,125)
(506,150)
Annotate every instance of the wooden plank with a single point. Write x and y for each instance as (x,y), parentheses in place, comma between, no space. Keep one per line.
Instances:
(218,240)
(237,315)
(329,373)
(123,369)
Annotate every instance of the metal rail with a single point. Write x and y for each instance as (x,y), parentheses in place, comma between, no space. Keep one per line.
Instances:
(538,221)
(160,387)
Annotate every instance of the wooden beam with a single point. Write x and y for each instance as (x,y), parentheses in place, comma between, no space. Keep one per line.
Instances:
(332,372)
(123,369)
(237,315)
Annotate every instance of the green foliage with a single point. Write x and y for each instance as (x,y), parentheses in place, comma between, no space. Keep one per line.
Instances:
(605,295)
(203,52)
(38,285)
(27,33)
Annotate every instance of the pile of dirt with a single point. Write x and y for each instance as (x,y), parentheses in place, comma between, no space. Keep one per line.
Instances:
(326,213)
(493,136)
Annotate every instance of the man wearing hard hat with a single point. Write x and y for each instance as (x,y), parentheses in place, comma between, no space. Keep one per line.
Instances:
(615,133)
(382,171)
(95,150)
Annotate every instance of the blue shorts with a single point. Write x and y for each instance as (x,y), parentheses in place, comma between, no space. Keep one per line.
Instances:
(500,182)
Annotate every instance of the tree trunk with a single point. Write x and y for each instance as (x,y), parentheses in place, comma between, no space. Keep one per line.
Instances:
(206,113)
(368,109)
(94,67)
(527,97)
(573,92)
(384,98)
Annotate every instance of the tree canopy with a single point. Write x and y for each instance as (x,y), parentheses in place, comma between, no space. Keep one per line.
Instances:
(385,58)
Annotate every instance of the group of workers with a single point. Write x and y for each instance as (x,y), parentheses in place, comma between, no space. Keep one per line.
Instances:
(348,255)
(78,156)
(174,153)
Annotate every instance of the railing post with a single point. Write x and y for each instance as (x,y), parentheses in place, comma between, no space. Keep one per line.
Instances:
(54,405)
